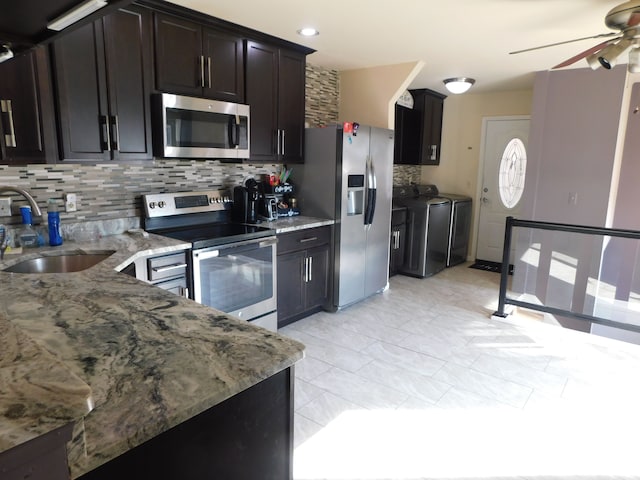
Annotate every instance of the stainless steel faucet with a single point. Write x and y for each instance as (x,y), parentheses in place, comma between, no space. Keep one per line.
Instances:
(35,210)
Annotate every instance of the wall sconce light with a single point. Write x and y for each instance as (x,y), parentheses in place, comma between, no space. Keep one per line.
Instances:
(458,84)
(76,14)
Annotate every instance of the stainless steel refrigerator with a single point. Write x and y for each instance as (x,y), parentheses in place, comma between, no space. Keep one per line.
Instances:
(348,176)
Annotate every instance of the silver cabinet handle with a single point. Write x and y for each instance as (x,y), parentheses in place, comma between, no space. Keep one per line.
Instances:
(116,132)
(278,143)
(209,70)
(305,240)
(283,143)
(9,138)
(434,152)
(202,71)
(305,270)
(106,133)
(168,268)
(310,269)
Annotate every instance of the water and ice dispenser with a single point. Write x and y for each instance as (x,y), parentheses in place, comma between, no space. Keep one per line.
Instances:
(355,194)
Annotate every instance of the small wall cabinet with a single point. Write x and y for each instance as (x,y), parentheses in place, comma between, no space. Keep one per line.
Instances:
(103,77)
(419,130)
(276,94)
(192,59)
(27,128)
(303,273)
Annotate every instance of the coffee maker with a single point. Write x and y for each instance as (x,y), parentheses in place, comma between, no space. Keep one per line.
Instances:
(246,202)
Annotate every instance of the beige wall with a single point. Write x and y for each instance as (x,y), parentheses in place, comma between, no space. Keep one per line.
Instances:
(461,138)
(368,95)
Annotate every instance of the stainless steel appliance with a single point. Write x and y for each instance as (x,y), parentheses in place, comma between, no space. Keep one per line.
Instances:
(428,217)
(459,228)
(189,127)
(232,266)
(347,176)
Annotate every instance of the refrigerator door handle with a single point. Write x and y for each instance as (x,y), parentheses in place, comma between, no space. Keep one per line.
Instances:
(371,193)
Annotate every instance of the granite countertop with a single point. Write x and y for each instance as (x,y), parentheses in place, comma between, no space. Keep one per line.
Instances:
(143,358)
(298,222)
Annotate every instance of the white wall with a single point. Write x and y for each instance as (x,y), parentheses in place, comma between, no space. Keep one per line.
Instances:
(461,139)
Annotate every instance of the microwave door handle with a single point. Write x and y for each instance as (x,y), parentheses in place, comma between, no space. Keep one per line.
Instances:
(232,131)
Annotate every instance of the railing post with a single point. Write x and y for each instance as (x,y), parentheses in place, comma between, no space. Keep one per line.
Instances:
(504,274)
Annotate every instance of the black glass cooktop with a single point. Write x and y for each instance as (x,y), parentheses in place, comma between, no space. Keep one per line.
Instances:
(203,236)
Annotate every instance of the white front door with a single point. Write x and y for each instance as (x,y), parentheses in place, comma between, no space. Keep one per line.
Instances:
(504,164)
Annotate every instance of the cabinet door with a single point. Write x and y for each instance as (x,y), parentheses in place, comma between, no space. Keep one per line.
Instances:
(128,50)
(224,61)
(22,136)
(317,286)
(262,95)
(408,129)
(179,60)
(291,86)
(432,130)
(82,93)
(291,298)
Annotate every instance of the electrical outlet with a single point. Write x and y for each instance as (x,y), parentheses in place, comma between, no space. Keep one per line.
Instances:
(70,202)
(5,207)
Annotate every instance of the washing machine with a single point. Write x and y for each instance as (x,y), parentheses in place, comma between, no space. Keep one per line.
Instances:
(427,239)
(459,228)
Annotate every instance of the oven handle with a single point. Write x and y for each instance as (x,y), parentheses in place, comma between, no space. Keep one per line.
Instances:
(205,253)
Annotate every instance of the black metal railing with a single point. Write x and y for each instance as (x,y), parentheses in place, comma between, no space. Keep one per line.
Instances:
(503,300)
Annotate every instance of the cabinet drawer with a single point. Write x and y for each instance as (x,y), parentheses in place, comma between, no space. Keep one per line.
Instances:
(303,239)
(166,266)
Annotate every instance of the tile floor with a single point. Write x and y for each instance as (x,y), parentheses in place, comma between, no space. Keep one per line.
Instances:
(420,383)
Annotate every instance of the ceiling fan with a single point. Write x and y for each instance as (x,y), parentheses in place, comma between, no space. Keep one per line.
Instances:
(625,18)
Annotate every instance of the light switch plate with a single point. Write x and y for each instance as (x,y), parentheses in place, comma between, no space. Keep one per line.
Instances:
(5,207)
(70,202)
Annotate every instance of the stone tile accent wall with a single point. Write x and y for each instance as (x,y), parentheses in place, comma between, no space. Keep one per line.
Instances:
(406,174)
(322,96)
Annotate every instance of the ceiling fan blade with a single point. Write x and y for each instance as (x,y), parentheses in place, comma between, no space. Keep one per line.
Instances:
(601,35)
(584,54)
(634,20)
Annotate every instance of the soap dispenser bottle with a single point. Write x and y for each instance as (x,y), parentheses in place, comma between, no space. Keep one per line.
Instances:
(27,236)
(53,223)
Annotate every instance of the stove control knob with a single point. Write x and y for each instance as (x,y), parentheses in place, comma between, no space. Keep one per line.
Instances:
(152,204)
(161,204)
(212,200)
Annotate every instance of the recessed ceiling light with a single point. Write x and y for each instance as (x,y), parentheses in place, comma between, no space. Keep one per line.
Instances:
(308,32)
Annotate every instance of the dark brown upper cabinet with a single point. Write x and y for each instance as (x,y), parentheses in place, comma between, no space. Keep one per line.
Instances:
(276,95)
(103,76)
(419,130)
(192,59)
(27,128)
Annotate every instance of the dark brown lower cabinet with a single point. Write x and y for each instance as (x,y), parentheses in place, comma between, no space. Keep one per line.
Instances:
(43,458)
(248,436)
(303,273)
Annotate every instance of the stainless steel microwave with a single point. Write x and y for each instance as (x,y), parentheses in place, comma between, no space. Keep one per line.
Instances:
(189,127)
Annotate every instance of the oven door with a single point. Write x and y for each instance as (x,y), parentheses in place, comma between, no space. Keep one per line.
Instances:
(239,279)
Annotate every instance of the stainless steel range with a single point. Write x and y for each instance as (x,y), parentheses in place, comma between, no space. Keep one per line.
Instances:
(232,266)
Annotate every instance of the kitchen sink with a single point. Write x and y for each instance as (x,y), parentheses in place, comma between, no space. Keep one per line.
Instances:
(63,263)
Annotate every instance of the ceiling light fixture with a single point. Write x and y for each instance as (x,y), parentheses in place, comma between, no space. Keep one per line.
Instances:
(458,84)
(308,32)
(76,14)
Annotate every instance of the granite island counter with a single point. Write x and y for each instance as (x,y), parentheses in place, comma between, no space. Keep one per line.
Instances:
(146,361)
